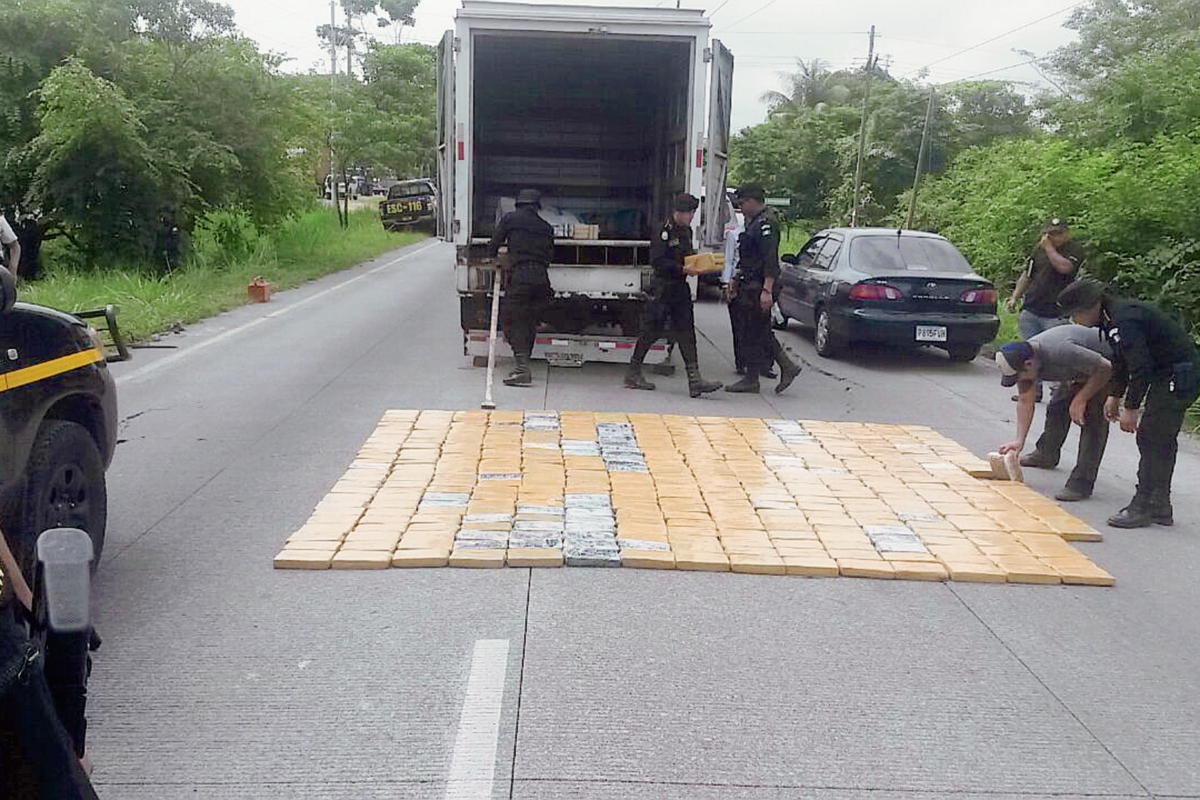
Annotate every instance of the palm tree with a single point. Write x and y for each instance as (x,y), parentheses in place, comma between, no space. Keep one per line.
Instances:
(810,86)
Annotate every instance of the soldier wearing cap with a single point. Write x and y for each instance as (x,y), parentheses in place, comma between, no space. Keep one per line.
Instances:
(752,294)
(1077,359)
(1052,265)
(1156,376)
(668,312)
(530,241)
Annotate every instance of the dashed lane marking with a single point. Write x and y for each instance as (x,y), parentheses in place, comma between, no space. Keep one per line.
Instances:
(473,764)
(478,489)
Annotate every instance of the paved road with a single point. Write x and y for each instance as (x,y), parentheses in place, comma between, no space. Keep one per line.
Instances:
(223,678)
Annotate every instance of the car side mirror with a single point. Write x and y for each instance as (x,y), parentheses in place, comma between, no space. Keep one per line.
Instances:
(8,290)
(791,259)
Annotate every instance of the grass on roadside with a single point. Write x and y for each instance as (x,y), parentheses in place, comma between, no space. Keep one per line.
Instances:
(301,249)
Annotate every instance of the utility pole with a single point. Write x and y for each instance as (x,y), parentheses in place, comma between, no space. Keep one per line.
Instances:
(912,201)
(332,41)
(862,130)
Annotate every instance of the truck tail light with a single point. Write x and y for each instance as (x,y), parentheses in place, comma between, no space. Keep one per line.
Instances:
(986,296)
(874,291)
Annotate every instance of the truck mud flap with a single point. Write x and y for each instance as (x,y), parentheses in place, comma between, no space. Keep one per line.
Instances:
(568,350)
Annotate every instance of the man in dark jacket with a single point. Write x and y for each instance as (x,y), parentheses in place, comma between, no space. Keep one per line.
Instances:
(668,312)
(1156,363)
(753,294)
(530,241)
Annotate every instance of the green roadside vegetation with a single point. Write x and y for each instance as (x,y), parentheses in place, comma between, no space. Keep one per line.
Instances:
(1112,144)
(214,279)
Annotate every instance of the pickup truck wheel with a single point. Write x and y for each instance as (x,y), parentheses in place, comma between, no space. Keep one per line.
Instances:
(65,489)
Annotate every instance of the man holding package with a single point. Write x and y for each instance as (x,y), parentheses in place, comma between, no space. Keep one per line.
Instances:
(1078,357)
(668,312)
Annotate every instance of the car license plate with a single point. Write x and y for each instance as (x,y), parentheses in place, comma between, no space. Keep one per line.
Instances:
(931,333)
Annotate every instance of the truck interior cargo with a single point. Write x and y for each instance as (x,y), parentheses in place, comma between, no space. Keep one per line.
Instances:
(599,124)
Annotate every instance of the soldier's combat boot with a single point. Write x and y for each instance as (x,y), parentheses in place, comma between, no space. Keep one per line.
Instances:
(521,374)
(697,385)
(1134,515)
(788,372)
(1160,509)
(633,377)
(635,380)
(747,385)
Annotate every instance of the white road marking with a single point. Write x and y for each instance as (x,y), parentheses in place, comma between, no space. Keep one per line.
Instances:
(473,765)
(174,358)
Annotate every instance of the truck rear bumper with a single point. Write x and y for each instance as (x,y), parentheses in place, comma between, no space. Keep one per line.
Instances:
(567,350)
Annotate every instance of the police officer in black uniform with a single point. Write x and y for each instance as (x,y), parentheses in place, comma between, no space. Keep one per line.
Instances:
(755,284)
(668,312)
(530,241)
(1155,362)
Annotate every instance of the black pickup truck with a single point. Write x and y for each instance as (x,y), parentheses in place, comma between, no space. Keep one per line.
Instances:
(410,204)
(58,424)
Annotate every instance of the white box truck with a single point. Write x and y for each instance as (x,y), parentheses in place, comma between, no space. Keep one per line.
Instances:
(604,111)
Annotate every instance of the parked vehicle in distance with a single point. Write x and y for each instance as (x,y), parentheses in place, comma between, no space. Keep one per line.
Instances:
(895,287)
(410,204)
(341,189)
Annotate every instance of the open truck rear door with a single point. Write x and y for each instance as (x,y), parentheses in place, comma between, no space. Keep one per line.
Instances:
(447,151)
(716,164)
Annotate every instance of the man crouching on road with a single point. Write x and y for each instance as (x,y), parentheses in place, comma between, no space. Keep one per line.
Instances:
(1079,358)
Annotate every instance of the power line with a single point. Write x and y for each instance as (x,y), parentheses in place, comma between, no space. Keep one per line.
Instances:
(751,14)
(1001,36)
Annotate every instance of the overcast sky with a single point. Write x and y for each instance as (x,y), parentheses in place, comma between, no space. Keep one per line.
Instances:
(954,39)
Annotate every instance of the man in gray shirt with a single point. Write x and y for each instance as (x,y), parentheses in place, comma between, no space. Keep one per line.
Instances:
(1078,358)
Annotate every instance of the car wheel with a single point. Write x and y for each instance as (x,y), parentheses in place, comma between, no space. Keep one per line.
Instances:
(65,489)
(962,353)
(826,342)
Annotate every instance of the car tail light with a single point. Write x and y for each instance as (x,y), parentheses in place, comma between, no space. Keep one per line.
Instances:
(874,291)
(978,296)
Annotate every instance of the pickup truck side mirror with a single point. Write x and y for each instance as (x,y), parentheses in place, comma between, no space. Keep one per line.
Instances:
(8,290)
(791,259)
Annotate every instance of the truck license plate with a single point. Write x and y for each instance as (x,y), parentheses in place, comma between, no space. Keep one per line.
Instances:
(931,333)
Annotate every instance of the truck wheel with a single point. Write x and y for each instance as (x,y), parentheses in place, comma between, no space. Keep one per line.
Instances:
(65,490)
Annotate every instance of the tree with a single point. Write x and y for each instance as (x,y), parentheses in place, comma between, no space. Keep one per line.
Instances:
(811,86)
(95,166)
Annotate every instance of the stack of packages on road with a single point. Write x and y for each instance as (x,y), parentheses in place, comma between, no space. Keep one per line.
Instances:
(596,489)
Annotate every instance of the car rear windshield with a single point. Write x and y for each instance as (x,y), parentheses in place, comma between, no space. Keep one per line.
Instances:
(410,190)
(889,254)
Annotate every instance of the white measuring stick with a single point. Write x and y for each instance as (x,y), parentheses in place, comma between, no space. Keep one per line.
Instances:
(491,367)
